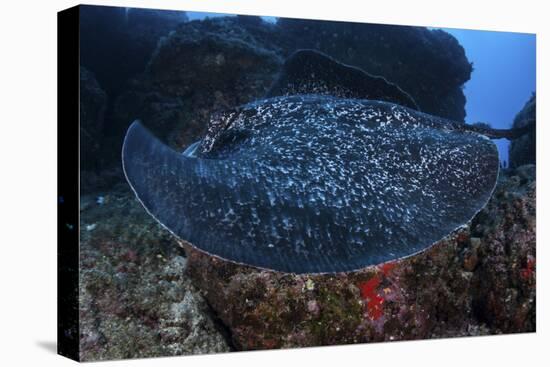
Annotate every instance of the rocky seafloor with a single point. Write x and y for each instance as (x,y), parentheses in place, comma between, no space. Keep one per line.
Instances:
(142,295)
(135,300)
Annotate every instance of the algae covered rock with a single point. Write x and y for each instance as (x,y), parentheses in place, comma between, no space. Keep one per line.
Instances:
(135,300)
(478,281)
(142,296)
(524,149)
(505,280)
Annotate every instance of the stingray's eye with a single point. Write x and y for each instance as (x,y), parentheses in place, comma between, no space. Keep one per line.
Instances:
(231,138)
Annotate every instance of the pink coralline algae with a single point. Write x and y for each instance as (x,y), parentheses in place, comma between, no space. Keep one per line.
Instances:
(372,295)
(529,271)
(374,301)
(387,268)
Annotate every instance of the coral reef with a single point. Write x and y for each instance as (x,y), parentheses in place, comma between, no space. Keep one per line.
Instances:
(524,150)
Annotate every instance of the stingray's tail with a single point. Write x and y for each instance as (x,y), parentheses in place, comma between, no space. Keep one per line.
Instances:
(510,134)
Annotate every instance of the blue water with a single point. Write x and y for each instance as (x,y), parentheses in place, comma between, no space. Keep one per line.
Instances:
(193,15)
(503,78)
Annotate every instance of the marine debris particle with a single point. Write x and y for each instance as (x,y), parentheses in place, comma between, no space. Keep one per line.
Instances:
(314,184)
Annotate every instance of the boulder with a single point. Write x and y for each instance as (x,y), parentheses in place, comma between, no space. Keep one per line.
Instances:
(203,67)
(93,103)
(428,64)
(96,171)
(115,45)
(524,149)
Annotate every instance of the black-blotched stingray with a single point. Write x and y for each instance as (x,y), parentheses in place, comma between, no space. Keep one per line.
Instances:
(333,171)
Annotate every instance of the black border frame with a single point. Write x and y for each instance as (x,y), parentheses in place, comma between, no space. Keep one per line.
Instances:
(68,182)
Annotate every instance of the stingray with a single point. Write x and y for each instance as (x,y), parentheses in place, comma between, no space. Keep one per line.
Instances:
(333,171)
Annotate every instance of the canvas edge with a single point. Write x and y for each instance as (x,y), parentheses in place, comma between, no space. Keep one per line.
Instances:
(68,182)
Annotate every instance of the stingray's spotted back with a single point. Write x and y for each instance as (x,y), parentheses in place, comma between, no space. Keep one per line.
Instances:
(311,183)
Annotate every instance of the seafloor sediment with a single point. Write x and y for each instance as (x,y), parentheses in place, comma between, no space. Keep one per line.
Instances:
(142,297)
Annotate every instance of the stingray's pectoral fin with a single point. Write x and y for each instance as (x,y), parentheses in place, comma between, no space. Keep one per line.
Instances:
(166,182)
(312,72)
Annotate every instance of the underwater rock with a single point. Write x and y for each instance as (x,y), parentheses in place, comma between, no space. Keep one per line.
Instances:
(141,297)
(202,67)
(504,283)
(93,103)
(428,64)
(95,171)
(524,149)
(115,45)
(135,300)
(440,292)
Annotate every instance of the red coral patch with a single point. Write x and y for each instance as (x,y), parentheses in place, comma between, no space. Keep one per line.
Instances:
(369,287)
(374,302)
(387,268)
(528,271)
